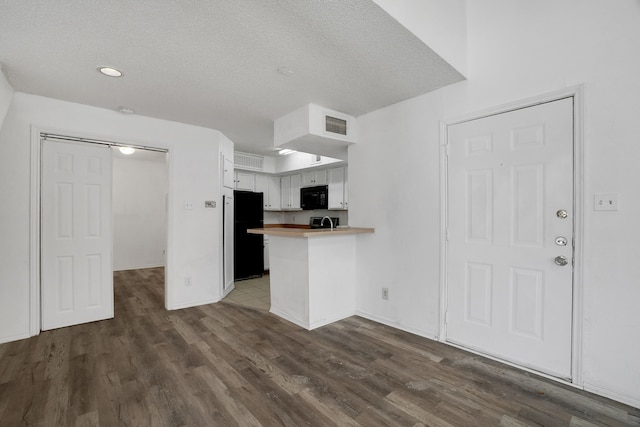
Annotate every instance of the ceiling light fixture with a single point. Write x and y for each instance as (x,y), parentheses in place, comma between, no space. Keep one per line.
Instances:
(127,150)
(109,71)
(286,151)
(285,71)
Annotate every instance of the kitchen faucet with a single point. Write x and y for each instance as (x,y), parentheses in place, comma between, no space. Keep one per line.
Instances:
(330,222)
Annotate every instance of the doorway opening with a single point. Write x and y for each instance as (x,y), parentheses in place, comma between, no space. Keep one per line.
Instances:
(139,213)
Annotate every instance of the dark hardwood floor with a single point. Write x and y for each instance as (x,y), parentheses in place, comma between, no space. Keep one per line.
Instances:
(222,365)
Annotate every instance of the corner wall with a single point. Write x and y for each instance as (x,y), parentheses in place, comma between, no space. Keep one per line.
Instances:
(6,94)
(193,175)
(516,50)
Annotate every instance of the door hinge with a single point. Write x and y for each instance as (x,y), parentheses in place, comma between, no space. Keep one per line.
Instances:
(446,234)
(446,316)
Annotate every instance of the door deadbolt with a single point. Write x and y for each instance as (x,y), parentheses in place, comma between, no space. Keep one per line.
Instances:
(561,260)
(562,214)
(561,241)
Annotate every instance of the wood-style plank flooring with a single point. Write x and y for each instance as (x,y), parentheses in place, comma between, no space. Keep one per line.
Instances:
(225,365)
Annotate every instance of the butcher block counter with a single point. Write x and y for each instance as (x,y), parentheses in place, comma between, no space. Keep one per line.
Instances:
(312,273)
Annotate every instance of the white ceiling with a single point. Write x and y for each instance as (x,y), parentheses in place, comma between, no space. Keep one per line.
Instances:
(214,63)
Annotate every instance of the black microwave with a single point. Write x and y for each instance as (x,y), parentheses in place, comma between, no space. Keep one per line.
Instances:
(314,197)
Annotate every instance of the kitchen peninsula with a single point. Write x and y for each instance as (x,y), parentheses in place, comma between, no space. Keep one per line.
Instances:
(312,273)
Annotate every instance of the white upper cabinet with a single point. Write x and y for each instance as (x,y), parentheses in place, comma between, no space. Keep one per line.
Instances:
(245,181)
(269,186)
(296,183)
(285,192)
(338,188)
(274,193)
(228,177)
(313,178)
(290,192)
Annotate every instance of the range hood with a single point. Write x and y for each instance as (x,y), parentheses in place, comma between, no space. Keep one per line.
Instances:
(317,130)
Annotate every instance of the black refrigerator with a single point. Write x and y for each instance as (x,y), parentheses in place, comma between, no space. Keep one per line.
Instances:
(248,249)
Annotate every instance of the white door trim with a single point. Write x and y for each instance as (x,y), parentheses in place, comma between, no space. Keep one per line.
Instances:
(34,219)
(577,93)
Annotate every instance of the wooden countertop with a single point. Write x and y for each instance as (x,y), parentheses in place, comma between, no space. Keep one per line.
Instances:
(308,232)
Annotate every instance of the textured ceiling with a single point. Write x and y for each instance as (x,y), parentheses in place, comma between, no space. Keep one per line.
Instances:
(214,63)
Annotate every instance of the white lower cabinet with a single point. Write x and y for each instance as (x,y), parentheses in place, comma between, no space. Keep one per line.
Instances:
(338,188)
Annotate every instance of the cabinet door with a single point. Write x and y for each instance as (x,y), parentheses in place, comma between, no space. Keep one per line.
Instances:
(296,183)
(245,181)
(285,192)
(336,188)
(274,193)
(311,179)
(228,177)
(262,186)
(320,178)
(345,188)
(308,179)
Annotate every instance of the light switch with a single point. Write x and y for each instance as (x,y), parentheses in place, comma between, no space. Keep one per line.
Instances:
(188,205)
(605,202)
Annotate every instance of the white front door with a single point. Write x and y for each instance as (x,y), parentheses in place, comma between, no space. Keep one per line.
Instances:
(76,267)
(510,183)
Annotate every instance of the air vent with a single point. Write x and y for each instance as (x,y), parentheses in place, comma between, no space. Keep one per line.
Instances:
(335,125)
(248,161)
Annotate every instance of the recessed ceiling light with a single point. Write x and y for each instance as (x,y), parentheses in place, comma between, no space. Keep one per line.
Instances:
(285,71)
(111,72)
(127,150)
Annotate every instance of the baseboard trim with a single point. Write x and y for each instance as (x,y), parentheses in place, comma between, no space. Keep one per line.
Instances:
(16,337)
(193,304)
(395,324)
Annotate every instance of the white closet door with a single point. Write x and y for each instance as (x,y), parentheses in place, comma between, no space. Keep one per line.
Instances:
(510,251)
(76,265)
(228,238)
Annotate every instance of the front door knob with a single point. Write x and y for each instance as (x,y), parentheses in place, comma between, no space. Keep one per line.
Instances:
(561,260)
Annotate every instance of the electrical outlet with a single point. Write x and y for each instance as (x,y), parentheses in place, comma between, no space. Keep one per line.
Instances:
(187,281)
(188,205)
(385,293)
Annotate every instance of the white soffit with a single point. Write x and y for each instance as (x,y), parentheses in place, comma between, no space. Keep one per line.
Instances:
(214,63)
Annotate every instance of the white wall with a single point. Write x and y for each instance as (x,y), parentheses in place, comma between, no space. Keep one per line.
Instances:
(516,50)
(139,209)
(6,94)
(193,174)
